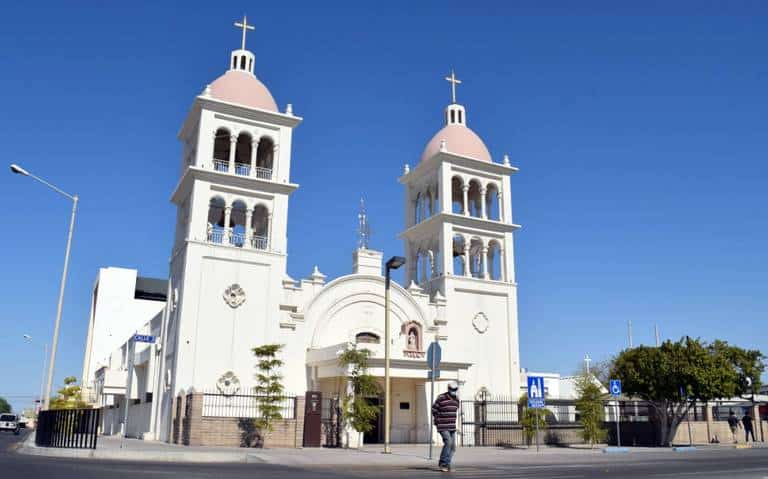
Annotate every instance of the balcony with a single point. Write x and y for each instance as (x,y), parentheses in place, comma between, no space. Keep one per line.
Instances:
(219,235)
(243,169)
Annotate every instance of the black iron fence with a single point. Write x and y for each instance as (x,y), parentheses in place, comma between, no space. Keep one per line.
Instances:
(68,428)
(217,404)
(496,421)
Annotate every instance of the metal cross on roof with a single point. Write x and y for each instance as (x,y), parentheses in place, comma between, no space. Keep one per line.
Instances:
(244,25)
(453,81)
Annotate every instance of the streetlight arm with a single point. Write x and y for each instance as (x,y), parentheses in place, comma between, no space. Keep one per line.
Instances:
(54,188)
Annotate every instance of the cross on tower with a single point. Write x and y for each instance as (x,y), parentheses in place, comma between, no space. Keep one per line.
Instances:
(453,81)
(587,360)
(244,25)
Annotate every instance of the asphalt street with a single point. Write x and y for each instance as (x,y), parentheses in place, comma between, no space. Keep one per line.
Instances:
(729,463)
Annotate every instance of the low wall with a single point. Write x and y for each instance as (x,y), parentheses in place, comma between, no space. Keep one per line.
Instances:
(193,429)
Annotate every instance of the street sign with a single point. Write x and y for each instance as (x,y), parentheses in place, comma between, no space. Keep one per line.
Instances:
(144,338)
(615,387)
(535,392)
(434,353)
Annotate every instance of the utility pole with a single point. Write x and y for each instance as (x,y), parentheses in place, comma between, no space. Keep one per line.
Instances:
(629,333)
(656,330)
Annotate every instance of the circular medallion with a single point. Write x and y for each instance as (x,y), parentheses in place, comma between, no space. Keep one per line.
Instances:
(228,384)
(480,322)
(234,296)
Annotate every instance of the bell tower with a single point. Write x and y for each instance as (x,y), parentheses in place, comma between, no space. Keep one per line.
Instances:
(229,255)
(459,244)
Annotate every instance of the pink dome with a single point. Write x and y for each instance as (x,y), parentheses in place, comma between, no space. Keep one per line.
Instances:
(243,89)
(459,140)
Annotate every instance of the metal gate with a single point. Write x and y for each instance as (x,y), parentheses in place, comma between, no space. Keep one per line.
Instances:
(330,420)
(490,422)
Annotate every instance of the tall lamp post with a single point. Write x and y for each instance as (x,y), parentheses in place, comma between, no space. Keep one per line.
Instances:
(28,339)
(54,343)
(393,263)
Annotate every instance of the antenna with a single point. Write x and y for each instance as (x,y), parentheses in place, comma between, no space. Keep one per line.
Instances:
(363,228)
(656,330)
(629,332)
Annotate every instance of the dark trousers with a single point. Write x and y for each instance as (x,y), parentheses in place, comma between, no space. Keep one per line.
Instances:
(747,432)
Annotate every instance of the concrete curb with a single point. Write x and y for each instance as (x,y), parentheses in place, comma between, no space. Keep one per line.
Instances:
(615,450)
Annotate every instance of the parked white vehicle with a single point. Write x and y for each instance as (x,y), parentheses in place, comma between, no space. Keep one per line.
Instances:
(9,422)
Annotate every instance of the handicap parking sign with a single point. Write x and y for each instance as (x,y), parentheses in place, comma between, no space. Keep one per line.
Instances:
(615,387)
(535,392)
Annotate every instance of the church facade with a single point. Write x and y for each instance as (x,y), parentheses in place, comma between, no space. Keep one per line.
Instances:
(229,290)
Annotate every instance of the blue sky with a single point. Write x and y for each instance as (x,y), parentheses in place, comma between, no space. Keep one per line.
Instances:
(640,132)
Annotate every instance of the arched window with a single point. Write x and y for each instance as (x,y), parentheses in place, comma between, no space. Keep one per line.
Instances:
(264,158)
(475,258)
(243,154)
(457,196)
(474,199)
(458,256)
(492,202)
(221,144)
(237,223)
(495,266)
(260,226)
(216,219)
(367,337)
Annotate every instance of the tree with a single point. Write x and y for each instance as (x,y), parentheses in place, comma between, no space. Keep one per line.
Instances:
(5,406)
(269,387)
(590,407)
(357,412)
(673,376)
(531,416)
(69,396)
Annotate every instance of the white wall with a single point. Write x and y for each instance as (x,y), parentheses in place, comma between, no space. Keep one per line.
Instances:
(115,316)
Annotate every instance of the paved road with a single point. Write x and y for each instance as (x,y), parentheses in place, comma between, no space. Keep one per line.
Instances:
(730,463)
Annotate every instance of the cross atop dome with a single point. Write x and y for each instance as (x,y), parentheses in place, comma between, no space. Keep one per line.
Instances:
(453,81)
(244,25)
(454,113)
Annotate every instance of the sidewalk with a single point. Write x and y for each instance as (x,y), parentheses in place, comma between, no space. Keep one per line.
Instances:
(403,455)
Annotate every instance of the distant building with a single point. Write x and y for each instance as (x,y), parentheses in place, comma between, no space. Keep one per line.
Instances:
(121,303)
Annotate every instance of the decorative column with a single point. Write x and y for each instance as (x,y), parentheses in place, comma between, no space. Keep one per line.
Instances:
(483,214)
(484,262)
(431,264)
(423,207)
(254,151)
(232,148)
(227,230)
(465,193)
(268,246)
(248,242)
(501,206)
(502,264)
(467,264)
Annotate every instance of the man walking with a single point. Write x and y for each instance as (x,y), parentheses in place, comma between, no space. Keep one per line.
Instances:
(444,412)
(733,423)
(746,420)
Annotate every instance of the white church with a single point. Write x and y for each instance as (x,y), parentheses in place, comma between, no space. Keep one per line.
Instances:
(228,289)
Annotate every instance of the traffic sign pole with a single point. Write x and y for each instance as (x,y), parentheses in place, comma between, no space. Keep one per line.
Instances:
(618,423)
(615,386)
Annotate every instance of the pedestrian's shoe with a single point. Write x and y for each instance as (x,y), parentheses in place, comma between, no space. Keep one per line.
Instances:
(445,469)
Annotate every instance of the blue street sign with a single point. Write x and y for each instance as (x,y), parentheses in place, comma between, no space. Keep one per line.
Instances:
(144,338)
(434,355)
(535,392)
(615,387)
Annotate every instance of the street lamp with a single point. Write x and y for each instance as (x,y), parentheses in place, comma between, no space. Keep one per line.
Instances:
(28,339)
(52,360)
(393,263)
